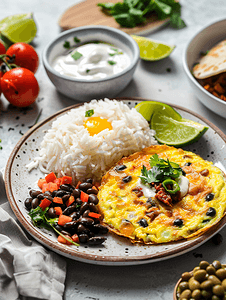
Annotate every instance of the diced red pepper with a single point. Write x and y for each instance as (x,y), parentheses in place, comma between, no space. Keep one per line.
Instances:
(84,197)
(53,187)
(75,238)
(58,210)
(70,201)
(66,180)
(50,177)
(78,184)
(62,240)
(44,203)
(45,187)
(58,200)
(63,220)
(58,181)
(94,215)
(41,182)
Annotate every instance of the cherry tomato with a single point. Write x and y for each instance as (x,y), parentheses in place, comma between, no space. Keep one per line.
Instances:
(2,48)
(1,75)
(26,56)
(20,87)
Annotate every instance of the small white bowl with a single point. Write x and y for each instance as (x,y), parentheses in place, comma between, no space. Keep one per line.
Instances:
(85,90)
(204,40)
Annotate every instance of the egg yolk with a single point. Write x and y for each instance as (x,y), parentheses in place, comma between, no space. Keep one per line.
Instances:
(94,125)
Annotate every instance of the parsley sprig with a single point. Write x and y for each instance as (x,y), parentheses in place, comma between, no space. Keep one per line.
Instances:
(131,13)
(162,171)
(39,219)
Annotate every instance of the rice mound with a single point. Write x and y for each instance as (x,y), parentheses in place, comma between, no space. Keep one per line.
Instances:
(68,148)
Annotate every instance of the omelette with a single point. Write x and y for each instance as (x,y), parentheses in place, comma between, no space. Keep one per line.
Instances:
(162,194)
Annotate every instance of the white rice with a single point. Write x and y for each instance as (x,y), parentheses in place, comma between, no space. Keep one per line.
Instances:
(68,149)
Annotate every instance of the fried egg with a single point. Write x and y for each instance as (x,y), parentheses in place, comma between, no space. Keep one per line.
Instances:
(133,210)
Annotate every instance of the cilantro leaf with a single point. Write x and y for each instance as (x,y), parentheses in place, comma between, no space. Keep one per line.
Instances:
(76,40)
(111,62)
(66,45)
(76,55)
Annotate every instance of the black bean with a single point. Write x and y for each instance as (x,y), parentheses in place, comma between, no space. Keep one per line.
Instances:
(86,213)
(75,215)
(92,191)
(70,225)
(27,203)
(47,193)
(89,180)
(41,196)
(35,203)
(127,179)
(209,197)
(66,187)
(86,221)
(211,212)
(34,193)
(91,234)
(93,207)
(143,222)
(178,222)
(64,232)
(83,238)
(120,168)
(187,164)
(78,201)
(49,197)
(99,228)
(60,193)
(96,240)
(76,193)
(93,199)
(69,210)
(54,193)
(84,207)
(51,212)
(65,198)
(82,229)
(85,186)
(58,227)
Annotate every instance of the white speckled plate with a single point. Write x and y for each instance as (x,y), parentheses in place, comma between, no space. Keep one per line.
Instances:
(115,250)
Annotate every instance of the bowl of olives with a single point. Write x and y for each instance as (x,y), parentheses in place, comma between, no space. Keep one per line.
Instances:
(206,281)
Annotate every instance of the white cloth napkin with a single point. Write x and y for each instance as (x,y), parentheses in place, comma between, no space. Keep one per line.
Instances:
(27,270)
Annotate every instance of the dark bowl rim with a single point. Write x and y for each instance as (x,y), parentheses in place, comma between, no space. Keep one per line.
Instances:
(67,33)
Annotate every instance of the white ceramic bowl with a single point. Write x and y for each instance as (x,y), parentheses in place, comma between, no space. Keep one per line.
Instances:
(204,40)
(85,90)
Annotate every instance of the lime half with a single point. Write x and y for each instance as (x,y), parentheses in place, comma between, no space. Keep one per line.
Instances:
(152,50)
(18,28)
(174,132)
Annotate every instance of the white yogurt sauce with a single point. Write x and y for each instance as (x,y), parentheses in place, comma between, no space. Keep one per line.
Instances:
(183,183)
(96,61)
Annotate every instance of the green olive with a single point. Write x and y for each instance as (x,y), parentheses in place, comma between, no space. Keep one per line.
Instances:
(193,284)
(183,286)
(196,269)
(206,285)
(216,264)
(211,270)
(196,294)
(186,294)
(200,275)
(214,279)
(218,290)
(221,273)
(203,264)
(206,294)
(224,284)
(186,276)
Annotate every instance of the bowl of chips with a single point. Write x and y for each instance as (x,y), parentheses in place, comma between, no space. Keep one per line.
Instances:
(204,62)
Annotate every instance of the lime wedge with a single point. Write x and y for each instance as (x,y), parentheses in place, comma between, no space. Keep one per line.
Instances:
(152,50)
(147,108)
(174,132)
(18,28)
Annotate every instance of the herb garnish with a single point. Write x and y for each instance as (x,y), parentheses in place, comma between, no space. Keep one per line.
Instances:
(162,171)
(0,146)
(39,219)
(131,13)
(116,52)
(89,113)
(76,55)
(111,62)
(67,44)
(76,40)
